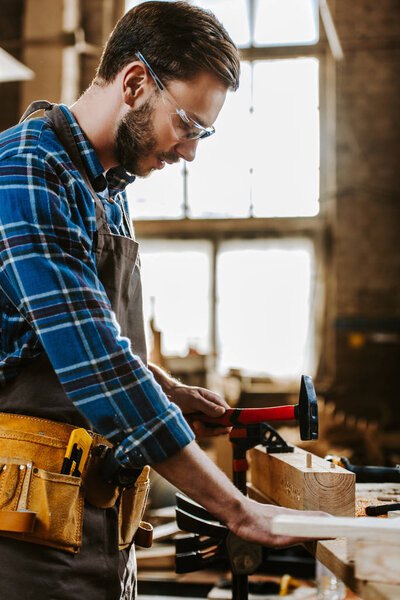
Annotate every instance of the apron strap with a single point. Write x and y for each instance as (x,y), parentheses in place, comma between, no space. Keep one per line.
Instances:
(63,131)
(34,107)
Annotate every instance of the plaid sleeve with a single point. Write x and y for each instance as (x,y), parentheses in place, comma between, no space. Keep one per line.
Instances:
(48,272)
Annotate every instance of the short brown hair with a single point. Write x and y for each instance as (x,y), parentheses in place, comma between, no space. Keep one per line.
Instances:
(177,39)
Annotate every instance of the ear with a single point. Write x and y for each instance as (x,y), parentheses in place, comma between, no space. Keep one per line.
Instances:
(136,85)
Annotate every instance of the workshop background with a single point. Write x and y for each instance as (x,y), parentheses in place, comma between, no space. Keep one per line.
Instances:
(277,252)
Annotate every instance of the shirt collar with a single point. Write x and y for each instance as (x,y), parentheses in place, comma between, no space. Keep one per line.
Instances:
(116,178)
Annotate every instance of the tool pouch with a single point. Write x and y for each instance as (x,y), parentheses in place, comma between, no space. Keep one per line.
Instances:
(132,505)
(38,504)
(131,500)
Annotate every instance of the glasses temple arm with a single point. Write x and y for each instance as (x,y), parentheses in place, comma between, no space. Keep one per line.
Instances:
(154,76)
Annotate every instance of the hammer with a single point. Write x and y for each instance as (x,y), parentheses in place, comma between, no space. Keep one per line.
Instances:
(305,412)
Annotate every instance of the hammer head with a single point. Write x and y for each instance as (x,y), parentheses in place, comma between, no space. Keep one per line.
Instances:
(307,409)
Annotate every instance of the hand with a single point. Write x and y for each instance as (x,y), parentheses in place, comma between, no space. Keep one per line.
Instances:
(196,399)
(255,525)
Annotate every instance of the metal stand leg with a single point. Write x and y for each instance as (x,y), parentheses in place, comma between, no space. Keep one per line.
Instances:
(240,589)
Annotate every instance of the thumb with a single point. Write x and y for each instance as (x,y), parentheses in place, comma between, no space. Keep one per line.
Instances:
(216,410)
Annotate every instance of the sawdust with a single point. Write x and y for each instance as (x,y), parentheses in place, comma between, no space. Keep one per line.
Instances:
(361,505)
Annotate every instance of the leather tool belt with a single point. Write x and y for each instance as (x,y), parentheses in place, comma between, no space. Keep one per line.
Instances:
(41,505)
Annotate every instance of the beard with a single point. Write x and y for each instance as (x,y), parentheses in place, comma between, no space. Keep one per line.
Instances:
(136,140)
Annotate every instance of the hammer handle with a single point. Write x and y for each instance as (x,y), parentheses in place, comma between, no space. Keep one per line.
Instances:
(247,416)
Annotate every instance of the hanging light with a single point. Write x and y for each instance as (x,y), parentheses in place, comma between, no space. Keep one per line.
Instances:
(13,70)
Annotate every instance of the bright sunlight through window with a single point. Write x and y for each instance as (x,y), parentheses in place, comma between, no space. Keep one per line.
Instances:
(264,297)
(264,291)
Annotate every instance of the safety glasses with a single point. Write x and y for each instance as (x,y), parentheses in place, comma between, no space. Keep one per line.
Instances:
(184,126)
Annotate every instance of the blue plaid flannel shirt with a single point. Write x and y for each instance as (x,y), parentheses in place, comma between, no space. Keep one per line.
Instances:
(52,300)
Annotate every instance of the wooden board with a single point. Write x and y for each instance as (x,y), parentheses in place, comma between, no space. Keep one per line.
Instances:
(377,561)
(255,494)
(157,557)
(368,528)
(287,480)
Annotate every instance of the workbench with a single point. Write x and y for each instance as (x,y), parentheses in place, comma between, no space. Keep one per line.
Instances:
(331,553)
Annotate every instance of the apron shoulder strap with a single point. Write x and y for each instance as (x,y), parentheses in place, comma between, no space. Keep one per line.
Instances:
(34,107)
(63,131)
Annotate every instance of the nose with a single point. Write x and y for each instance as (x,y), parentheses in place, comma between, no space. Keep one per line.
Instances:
(187,149)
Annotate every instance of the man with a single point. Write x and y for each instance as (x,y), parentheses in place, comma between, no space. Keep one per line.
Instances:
(73,348)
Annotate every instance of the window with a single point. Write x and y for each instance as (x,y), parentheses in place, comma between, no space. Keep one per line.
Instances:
(264,292)
(177,275)
(269,145)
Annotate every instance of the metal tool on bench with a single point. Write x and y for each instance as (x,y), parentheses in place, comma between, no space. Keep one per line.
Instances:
(212,542)
(382,509)
(368,474)
(248,430)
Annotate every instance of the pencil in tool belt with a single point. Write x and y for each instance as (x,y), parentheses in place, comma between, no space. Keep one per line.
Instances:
(77,452)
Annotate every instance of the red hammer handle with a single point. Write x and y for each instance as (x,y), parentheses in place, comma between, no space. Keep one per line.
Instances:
(246,416)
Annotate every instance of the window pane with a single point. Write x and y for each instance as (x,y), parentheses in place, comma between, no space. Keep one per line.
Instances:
(131,3)
(218,179)
(159,195)
(280,22)
(264,297)
(177,275)
(286,138)
(233,15)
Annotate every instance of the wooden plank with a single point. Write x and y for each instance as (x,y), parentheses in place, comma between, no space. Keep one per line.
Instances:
(365,528)
(166,513)
(157,557)
(379,591)
(287,480)
(332,553)
(165,531)
(227,227)
(377,561)
(255,494)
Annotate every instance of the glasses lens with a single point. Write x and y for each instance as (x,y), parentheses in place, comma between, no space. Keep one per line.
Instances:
(184,128)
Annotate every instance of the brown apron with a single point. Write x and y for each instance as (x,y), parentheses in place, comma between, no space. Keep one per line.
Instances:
(99,571)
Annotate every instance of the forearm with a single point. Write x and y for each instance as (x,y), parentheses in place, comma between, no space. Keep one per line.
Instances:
(192,471)
(164,379)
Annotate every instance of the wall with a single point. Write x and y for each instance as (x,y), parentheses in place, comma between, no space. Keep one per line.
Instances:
(367,227)
(11,12)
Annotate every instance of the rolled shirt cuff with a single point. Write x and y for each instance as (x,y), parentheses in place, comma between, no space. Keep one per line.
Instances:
(155,440)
